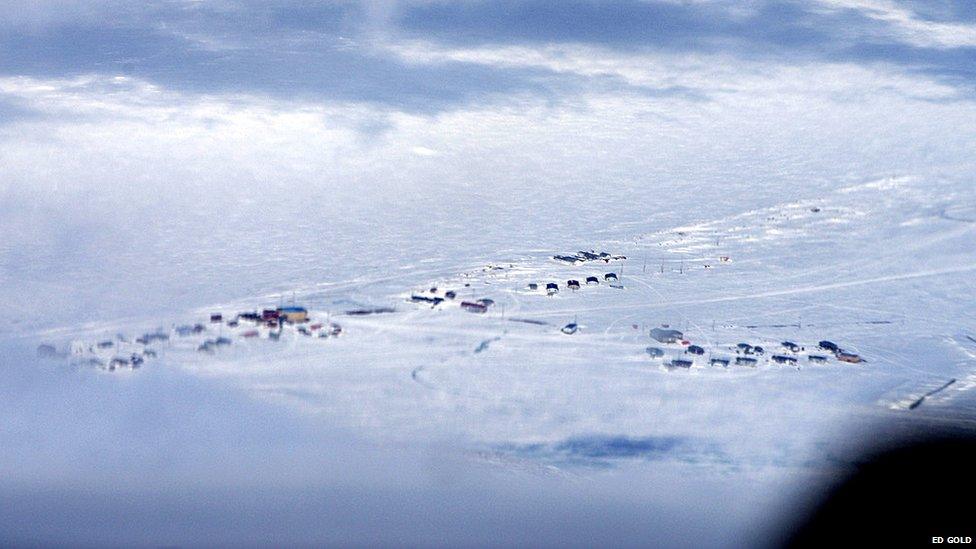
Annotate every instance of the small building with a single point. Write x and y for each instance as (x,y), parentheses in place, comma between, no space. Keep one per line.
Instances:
(666,335)
(424,299)
(450,294)
(269,314)
(216,317)
(592,280)
(790,346)
(570,328)
(719,361)
(610,277)
(486,301)
(745,361)
(695,350)
(552,288)
(293,314)
(850,358)
(817,359)
(250,334)
(745,348)
(783,359)
(758,350)
(573,284)
(533,286)
(252,316)
(474,307)
(829,346)
(680,363)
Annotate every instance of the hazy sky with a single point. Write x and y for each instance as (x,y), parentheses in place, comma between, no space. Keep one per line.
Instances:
(121,122)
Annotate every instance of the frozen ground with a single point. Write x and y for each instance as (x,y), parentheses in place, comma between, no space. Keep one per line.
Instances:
(776,171)
(884,267)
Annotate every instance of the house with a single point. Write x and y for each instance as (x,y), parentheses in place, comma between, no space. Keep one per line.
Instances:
(745,361)
(552,288)
(573,284)
(253,317)
(592,280)
(850,358)
(679,363)
(566,258)
(610,277)
(293,314)
(474,307)
(829,346)
(665,335)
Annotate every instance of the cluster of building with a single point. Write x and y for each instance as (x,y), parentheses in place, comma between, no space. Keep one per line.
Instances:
(552,288)
(788,352)
(583,257)
(121,353)
(434,297)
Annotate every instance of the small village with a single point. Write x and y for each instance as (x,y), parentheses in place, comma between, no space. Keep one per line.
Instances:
(671,349)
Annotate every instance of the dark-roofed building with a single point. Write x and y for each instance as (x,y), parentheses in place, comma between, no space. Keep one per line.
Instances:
(666,335)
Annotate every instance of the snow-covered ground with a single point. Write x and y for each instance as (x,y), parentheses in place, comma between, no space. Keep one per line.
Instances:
(793,172)
(882,267)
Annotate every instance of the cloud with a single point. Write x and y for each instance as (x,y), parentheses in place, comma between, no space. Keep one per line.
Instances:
(904,25)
